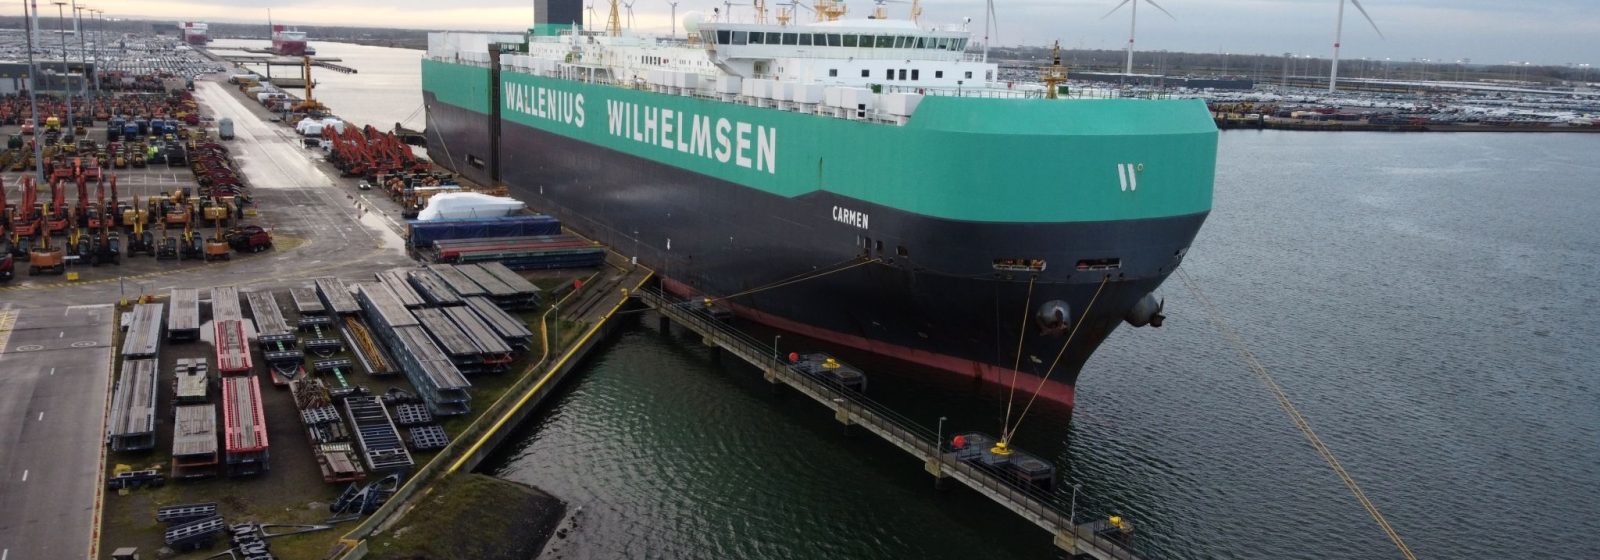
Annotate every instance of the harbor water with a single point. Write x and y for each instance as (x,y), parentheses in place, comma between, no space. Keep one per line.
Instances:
(1423,298)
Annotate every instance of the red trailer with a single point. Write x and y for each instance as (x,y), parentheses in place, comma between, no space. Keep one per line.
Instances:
(246,426)
(233,349)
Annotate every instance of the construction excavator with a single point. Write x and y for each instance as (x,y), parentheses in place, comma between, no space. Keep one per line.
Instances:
(5,222)
(139,240)
(217,246)
(167,246)
(26,221)
(44,258)
(55,216)
(189,245)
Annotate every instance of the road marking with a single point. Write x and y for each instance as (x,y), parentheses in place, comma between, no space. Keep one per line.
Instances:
(61,334)
(41,416)
(52,372)
(24,475)
(5,554)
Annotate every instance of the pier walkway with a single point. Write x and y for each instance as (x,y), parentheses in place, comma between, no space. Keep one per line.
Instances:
(853,409)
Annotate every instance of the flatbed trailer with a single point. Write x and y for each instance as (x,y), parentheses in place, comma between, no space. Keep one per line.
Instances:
(225,304)
(183,315)
(132,426)
(306,301)
(233,348)
(269,318)
(143,339)
(246,451)
(336,296)
(194,441)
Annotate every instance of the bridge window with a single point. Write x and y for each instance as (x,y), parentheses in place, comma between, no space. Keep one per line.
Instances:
(740,37)
(820,39)
(920,42)
(723,36)
(833,40)
(805,39)
(758,38)
(866,41)
(849,40)
(790,39)
(885,41)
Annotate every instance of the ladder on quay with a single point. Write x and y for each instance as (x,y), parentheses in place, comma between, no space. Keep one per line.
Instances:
(853,409)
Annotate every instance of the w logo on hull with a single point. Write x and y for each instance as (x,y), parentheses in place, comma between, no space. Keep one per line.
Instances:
(1128,173)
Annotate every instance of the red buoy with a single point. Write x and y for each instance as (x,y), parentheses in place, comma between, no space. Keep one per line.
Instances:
(794,357)
(958,442)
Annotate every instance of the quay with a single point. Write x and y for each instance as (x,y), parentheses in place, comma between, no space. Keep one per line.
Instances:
(851,408)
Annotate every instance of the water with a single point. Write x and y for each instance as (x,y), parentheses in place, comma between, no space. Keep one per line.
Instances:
(386,88)
(1424,298)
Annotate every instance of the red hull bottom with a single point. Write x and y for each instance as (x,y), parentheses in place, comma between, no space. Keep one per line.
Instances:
(1055,391)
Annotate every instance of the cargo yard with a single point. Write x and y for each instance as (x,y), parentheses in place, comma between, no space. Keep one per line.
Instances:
(284,364)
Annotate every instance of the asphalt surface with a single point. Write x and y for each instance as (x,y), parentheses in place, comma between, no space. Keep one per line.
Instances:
(55,373)
(318,226)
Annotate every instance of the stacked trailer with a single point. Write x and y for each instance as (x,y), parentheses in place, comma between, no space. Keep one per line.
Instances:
(329,435)
(276,338)
(497,355)
(524,295)
(430,371)
(433,288)
(458,282)
(381,445)
(144,331)
(336,296)
(191,383)
(497,290)
(521,253)
(245,427)
(513,331)
(306,302)
(228,332)
(451,339)
(398,282)
(133,407)
(194,441)
(183,317)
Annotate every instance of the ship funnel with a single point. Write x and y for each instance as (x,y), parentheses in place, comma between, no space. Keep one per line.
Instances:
(1147,312)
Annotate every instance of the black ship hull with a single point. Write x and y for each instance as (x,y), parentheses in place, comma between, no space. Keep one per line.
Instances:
(913,287)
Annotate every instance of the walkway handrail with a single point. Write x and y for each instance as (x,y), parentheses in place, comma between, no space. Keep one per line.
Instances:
(1042,508)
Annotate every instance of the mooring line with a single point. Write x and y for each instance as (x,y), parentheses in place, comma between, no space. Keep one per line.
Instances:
(1299,420)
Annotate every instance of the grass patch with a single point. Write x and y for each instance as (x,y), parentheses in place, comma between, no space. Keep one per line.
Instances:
(473,516)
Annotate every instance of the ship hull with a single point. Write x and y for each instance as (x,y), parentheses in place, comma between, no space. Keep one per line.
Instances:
(910,286)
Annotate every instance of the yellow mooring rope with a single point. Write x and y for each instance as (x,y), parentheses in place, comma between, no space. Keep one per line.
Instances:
(1022,334)
(1299,420)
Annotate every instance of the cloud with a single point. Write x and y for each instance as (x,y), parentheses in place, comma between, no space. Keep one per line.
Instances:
(1549,31)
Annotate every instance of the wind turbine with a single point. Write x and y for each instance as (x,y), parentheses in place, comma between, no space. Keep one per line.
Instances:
(630,12)
(674,4)
(1133,22)
(1338,30)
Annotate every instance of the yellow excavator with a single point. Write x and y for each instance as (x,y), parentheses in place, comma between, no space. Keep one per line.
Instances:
(139,240)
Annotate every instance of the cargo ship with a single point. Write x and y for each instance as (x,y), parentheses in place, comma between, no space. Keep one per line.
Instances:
(196,33)
(867,182)
(286,42)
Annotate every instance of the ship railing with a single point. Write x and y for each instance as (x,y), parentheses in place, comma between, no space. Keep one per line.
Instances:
(1052,510)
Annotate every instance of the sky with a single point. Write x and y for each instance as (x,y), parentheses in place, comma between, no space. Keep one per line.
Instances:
(1553,32)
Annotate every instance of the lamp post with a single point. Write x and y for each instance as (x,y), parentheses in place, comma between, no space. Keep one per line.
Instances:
(938,441)
(61,27)
(33,85)
(83,48)
(775,340)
